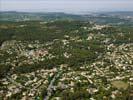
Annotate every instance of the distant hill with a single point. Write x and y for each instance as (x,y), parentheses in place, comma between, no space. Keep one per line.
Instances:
(24,16)
(121,17)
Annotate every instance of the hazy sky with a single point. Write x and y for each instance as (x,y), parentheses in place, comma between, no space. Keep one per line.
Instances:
(68,6)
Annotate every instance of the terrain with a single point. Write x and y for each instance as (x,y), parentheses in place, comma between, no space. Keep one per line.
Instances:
(57,56)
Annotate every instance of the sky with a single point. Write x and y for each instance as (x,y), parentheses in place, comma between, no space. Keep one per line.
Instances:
(67,6)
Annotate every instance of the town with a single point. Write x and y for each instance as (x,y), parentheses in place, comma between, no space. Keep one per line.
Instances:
(65,60)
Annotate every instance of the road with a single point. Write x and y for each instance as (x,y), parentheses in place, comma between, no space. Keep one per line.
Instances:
(51,85)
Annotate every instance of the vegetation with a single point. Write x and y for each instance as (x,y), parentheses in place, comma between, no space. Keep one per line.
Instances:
(88,60)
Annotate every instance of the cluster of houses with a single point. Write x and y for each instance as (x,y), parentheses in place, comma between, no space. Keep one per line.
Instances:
(27,85)
(112,70)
